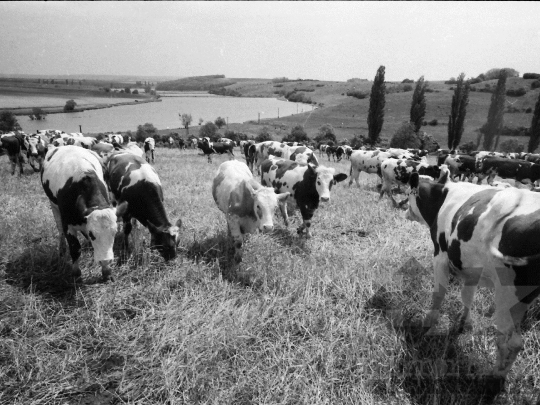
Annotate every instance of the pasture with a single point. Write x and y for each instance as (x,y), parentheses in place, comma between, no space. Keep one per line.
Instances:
(335,319)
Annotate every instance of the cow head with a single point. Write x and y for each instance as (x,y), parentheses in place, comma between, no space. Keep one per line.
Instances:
(165,239)
(324,180)
(36,151)
(265,202)
(101,228)
(425,198)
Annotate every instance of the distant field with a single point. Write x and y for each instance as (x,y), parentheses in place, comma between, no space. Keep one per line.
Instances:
(331,320)
(24,101)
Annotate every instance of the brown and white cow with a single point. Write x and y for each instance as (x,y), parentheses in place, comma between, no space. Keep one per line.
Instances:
(307,185)
(133,180)
(489,237)
(37,149)
(248,206)
(149,146)
(72,178)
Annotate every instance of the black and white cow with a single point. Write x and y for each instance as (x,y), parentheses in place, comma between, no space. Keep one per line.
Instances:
(133,180)
(519,170)
(489,237)
(331,151)
(209,148)
(149,146)
(37,149)
(248,206)
(307,185)
(14,146)
(304,155)
(251,154)
(463,166)
(72,178)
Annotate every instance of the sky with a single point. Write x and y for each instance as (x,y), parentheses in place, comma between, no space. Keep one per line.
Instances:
(308,40)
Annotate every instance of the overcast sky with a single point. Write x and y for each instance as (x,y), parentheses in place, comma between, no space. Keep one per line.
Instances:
(315,40)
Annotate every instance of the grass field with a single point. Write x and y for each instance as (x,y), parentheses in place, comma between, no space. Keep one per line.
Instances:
(330,320)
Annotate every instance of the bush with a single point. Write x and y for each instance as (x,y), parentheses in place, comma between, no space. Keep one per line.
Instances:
(433,122)
(145,131)
(428,142)
(511,131)
(511,109)
(264,135)
(516,92)
(474,81)
(407,87)
(535,85)
(467,147)
(407,81)
(528,110)
(493,74)
(135,91)
(531,75)
(405,137)
(357,94)
(298,134)
(8,122)
(428,90)
(70,105)
(209,129)
(220,122)
(326,133)
(511,146)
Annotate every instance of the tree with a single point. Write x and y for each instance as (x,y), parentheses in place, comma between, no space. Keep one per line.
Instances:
(495,113)
(147,89)
(326,133)
(135,91)
(492,74)
(38,113)
(418,105)
(264,135)
(376,107)
(460,100)
(145,131)
(127,90)
(534,130)
(298,134)
(70,106)
(186,121)
(209,129)
(406,137)
(8,122)
(220,122)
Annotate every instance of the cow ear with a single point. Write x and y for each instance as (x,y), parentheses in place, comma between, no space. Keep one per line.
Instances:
(444,177)
(249,188)
(414,180)
(340,177)
(121,209)
(178,223)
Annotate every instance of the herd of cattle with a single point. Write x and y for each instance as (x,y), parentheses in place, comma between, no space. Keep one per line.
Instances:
(487,234)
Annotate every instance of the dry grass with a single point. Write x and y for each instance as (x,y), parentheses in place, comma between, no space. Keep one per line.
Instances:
(332,320)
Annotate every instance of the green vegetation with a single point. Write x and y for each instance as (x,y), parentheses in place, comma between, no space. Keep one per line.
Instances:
(496,113)
(264,135)
(418,104)
(37,114)
(145,131)
(298,134)
(186,121)
(209,130)
(375,116)
(70,106)
(220,122)
(460,100)
(326,133)
(8,122)
(196,83)
(406,137)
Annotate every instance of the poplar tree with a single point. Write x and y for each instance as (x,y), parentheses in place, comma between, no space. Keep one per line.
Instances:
(418,105)
(460,99)
(534,130)
(375,117)
(496,113)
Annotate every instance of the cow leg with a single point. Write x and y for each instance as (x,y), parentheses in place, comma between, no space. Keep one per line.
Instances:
(283,209)
(440,270)
(59,226)
(354,174)
(306,222)
(490,179)
(127,230)
(74,251)
(236,232)
(467,297)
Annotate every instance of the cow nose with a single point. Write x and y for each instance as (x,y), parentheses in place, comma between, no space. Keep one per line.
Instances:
(267,228)
(105,263)
(325,199)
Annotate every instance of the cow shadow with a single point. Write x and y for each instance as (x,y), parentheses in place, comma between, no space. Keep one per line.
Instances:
(291,240)
(434,368)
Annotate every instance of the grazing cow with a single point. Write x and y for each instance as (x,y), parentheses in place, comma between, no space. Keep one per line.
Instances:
(368,161)
(181,144)
(519,170)
(248,206)
(209,148)
(322,149)
(149,146)
(265,149)
(331,151)
(348,150)
(14,145)
(37,149)
(463,166)
(489,237)
(115,138)
(398,172)
(72,178)
(304,155)
(251,154)
(307,185)
(135,181)
(103,149)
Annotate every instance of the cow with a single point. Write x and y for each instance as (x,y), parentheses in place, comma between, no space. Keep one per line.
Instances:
(171,141)
(131,147)
(116,138)
(149,146)
(532,157)
(133,180)
(331,151)
(519,170)
(366,161)
(37,149)
(265,149)
(72,179)
(103,149)
(251,154)
(85,142)
(304,155)
(322,149)
(248,206)
(226,140)
(398,172)
(209,148)
(15,145)
(307,185)
(463,166)
(488,236)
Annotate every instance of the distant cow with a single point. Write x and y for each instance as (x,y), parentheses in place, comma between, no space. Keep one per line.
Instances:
(331,151)
(489,237)
(37,149)
(251,153)
(15,145)
(72,178)
(149,146)
(265,149)
(135,181)
(304,155)
(103,149)
(366,161)
(463,166)
(116,138)
(519,170)
(248,206)
(307,185)
(209,148)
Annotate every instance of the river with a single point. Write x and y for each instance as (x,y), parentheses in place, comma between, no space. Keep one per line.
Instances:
(164,114)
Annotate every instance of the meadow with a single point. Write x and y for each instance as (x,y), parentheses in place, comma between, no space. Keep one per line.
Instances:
(335,319)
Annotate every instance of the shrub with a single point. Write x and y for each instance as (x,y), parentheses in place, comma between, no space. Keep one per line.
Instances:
(298,134)
(135,91)
(528,110)
(531,75)
(407,81)
(357,94)
(512,145)
(264,135)
(326,133)
(474,81)
(278,85)
(495,73)
(405,137)
(433,122)
(319,85)
(424,123)
(70,105)
(428,142)
(535,85)
(8,122)
(220,122)
(511,109)
(450,88)
(516,92)
(145,131)
(467,147)
(407,87)
(428,90)
(209,129)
